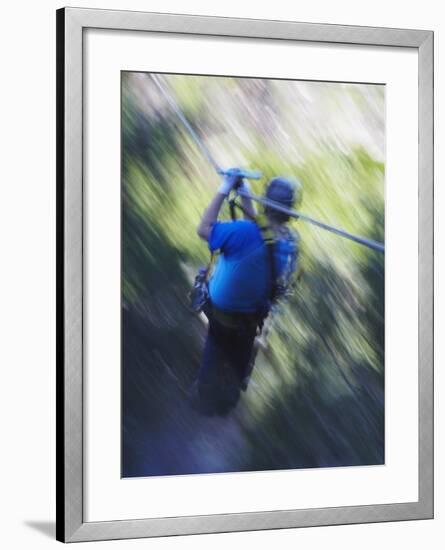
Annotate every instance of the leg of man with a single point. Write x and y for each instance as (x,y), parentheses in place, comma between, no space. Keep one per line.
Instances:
(236,345)
(224,366)
(241,353)
(239,343)
(211,385)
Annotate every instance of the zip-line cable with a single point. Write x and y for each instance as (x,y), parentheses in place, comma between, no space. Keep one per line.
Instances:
(370,243)
(375,245)
(162,88)
(176,108)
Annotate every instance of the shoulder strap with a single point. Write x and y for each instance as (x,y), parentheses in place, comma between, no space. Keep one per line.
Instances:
(269,240)
(232,205)
(210,265)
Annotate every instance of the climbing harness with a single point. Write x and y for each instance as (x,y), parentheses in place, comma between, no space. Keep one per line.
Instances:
(370,243)
(199,295)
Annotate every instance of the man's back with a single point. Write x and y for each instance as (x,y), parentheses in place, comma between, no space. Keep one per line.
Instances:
(242,277)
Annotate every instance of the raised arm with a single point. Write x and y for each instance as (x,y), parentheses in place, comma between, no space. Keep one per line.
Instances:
(248,204)
(212,211)
(210,216)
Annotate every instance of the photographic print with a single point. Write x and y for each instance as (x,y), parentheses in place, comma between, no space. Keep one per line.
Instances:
(252,274)
(238,204)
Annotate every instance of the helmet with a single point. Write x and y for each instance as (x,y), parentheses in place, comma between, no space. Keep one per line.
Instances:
(284,190)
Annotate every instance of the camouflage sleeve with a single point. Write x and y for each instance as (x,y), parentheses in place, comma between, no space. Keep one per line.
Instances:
(287,277)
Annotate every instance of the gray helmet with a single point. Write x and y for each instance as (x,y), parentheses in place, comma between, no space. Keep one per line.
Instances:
(283,190)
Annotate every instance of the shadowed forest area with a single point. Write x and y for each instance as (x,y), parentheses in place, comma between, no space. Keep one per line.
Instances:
(316,398)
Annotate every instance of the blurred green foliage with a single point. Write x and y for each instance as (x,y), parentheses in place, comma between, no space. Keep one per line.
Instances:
(317,393)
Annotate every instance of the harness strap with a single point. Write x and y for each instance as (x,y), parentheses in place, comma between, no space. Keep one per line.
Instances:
(210,266)
(232,205)
(235,320)
(269,240)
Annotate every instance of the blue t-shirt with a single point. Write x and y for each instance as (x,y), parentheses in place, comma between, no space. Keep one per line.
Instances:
(241,279)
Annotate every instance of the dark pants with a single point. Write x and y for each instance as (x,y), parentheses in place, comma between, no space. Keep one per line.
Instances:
(226,362)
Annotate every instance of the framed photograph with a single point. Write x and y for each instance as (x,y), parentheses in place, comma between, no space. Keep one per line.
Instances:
(244,274)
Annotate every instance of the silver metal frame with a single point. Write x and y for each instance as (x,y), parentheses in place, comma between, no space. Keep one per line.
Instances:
(71,22)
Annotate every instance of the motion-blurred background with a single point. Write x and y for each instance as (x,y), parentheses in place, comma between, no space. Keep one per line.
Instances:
(317,394)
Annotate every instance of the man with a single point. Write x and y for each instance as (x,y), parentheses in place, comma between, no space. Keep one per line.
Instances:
(249,275)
